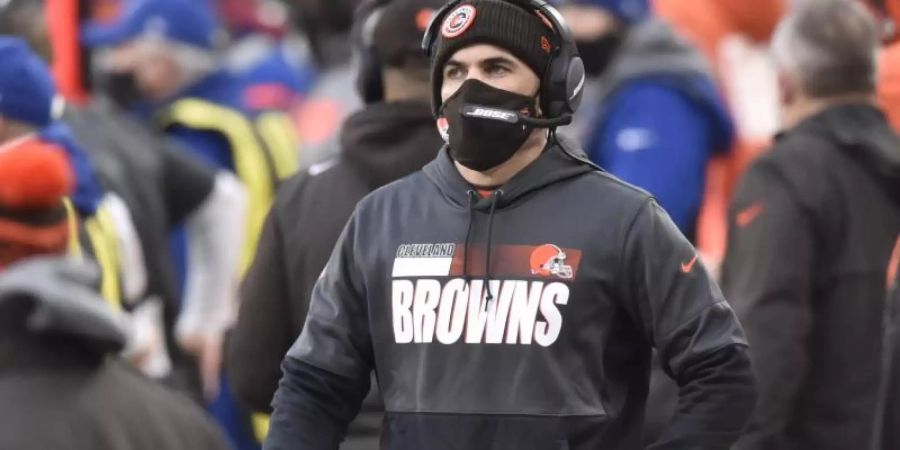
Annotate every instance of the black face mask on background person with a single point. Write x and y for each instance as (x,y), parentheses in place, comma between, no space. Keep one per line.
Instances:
(121,88)
(598,53)
(480,137)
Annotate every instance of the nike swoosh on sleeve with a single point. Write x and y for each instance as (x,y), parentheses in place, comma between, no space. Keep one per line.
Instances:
(688,266)
(749,214)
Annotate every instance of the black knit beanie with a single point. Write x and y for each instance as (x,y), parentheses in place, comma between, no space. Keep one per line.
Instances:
(497,22)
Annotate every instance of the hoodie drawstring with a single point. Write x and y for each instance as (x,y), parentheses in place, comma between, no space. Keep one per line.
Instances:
(472,197)
(487,262)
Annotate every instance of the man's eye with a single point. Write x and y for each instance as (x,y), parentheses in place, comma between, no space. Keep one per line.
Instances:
(497,70)
(453,73)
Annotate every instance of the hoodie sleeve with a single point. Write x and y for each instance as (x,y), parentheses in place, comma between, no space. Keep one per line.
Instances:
(187,183)
(88,191)
(660,139)
(699,340)
(327,371)
(766,274)
(262,333)
(211,147)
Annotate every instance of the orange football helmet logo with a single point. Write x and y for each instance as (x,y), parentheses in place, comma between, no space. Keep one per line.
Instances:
(549,260)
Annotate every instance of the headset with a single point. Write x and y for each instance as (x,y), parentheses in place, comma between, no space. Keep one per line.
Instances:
(369,82)
(563,82)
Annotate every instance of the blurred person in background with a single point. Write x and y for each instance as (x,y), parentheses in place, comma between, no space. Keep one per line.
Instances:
(58,337)
(61,385)
(652,115)
(811,231)
(35,179)
(30,108)
(168,188)
(275,65)
(734,37)
(162,187)
(265,50)
(888,15)
(326,26)
(102,228)
(429,268)
(889,432)
(165,54)
(393,136)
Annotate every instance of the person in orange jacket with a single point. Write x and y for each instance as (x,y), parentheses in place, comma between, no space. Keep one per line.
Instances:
(730,34)
(888,13)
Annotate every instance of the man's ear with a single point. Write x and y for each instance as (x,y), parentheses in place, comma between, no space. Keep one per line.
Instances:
(788,90)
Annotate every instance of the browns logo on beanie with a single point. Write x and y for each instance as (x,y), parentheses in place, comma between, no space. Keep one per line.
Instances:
(507,25)
(35,176)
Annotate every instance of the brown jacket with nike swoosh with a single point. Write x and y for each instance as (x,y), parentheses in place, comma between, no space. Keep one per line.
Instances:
(811,231)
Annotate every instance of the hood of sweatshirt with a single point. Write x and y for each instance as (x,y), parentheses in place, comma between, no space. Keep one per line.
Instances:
(652,52)
(47,297)
(653,47)
(863,130)
(388,141)
(560,161)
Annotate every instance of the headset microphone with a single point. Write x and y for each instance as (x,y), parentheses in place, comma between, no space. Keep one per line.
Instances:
(553,122)
(510,116)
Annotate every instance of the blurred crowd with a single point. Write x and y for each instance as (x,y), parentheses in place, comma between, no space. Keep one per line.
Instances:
(174,175)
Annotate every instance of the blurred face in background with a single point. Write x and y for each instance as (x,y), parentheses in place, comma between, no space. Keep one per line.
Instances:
(26,19)
(597,33)
(150,65)
(12,130)
(588,23)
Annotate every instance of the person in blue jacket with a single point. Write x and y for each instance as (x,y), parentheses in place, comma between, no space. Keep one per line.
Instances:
(266,51)
(651,114)
(164,59)
(28,97)
(165,54)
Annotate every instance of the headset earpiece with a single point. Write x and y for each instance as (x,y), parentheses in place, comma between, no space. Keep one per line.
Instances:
(564,82)
(369,82)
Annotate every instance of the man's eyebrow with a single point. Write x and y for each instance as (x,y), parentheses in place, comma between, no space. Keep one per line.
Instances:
(498,60)
(454,63)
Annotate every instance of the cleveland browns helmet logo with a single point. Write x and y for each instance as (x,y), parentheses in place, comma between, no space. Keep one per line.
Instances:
(458,21)
(549,260)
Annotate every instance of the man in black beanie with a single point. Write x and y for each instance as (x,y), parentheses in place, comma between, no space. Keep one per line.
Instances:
(393,136)
(508,296)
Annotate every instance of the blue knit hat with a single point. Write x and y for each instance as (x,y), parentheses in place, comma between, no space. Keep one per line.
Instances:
(191,22)
(26,88)
(628,11)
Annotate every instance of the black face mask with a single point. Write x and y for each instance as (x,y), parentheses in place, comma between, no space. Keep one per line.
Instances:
(122,89)
(597,54)
(478,126)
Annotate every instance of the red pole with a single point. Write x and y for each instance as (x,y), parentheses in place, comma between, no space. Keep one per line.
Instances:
(63,21)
